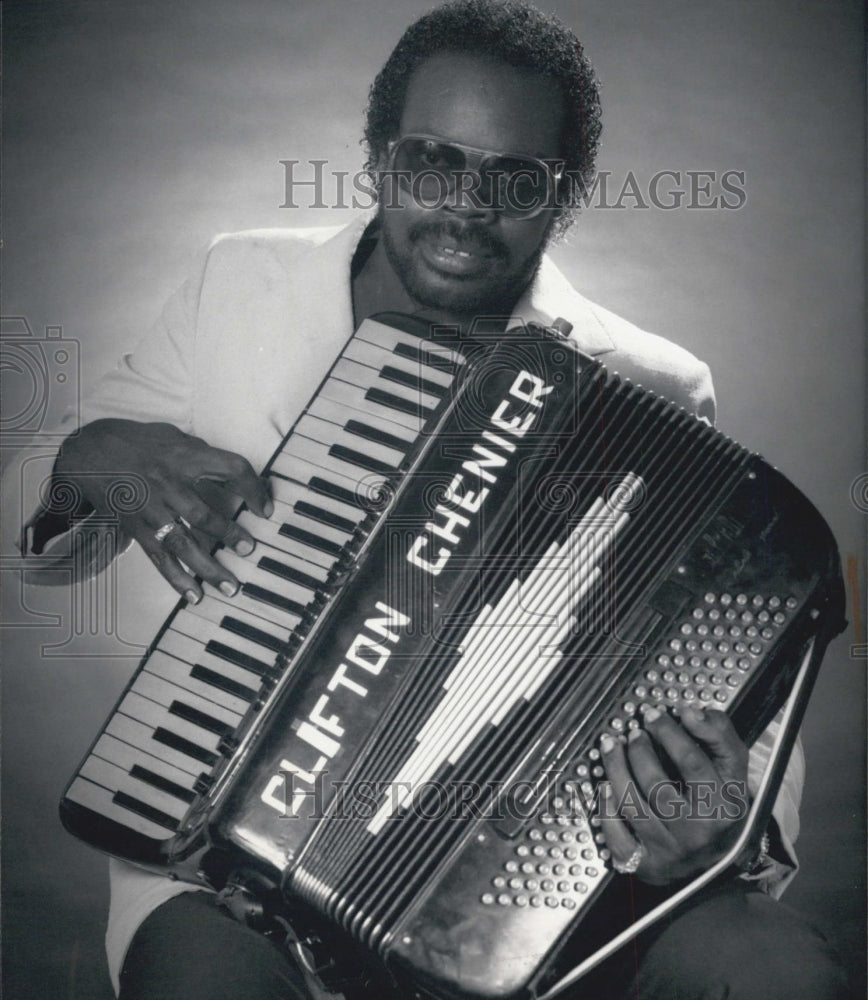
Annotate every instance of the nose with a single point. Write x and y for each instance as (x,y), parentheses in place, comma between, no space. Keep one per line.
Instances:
(472,195)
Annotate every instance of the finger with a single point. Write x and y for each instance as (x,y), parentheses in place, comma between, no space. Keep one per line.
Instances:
(620,841)
(182,581)
(691,761)
(209,522)
(629,798)
(238,475)
(714,731)
(182,546)
(644,762)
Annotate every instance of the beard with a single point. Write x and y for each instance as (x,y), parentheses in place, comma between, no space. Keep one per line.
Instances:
(489,294)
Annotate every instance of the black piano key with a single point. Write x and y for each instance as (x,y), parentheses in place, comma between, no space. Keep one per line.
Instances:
(158,781)
(357,398)
(324,517)
(319,485)
(360,459)
(208,676)
(177,673)
(143,809)
(248,571)
(309,538)
(237,657)
(176,742)
(397,403)
(375,434)
(294,490)
(200,719)
(257,593)
(430,358)
(412,381)
(253,634)
(289,572)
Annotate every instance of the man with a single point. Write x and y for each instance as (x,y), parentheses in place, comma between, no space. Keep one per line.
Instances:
(211,393)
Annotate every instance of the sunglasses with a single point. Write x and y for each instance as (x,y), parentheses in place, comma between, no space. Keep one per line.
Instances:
(438,170)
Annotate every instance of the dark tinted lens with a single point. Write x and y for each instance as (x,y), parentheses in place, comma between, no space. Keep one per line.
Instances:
(416,155)
(523,184)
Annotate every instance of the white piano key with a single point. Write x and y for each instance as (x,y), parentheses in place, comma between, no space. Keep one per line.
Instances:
(360,375)
(389,337)
(318,454)
(140,735)
(284,514)
(168,669)
(231,671)
(351,395)
(180,645)
(376,357)
(126,756)
(340,413)
(116,779)
(156,716)
(268,533)
(290,492)
(285,619)
(165,693)
(246,569)
(192,652)
(302,471)
(328,434)
(99,799)
(204,631)
(190,618)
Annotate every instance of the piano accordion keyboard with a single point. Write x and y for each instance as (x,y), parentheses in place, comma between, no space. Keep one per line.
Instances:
(215,663)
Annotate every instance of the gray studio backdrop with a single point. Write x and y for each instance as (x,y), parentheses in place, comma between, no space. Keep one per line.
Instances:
(135,131)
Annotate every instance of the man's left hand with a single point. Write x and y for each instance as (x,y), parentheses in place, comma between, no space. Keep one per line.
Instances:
(674,821)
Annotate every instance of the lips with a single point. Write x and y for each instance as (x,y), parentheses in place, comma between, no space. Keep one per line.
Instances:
(461,261)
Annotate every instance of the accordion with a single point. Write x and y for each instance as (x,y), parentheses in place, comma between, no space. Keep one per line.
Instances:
(483,557)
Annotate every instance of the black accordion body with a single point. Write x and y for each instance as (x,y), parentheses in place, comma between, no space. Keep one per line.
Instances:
(482,559)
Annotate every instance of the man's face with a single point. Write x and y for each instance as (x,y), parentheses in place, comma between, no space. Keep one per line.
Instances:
(459,258)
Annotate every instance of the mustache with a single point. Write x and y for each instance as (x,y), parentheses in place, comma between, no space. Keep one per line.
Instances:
(467,236)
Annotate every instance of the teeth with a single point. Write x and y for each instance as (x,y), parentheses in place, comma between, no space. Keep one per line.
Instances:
(455,253)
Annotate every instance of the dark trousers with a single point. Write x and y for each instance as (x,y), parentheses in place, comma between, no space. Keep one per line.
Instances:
(734,944)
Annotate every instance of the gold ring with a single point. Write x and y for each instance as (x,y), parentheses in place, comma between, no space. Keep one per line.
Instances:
(632,863)
(163,532)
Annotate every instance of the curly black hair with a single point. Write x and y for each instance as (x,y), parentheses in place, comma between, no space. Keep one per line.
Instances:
(513,32)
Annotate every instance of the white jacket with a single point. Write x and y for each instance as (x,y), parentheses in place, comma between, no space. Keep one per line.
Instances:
(236,355)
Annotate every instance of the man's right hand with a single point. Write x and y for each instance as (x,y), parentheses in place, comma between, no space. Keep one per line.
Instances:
(181,474)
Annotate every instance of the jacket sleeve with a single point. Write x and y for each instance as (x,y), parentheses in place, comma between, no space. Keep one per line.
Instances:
(44,525)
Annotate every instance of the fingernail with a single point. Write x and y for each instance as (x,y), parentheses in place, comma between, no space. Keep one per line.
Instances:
(244,547)
(652,715)
(633,735)
(607,744)
(228,588)
(695,714)
(268,508)
(192,597)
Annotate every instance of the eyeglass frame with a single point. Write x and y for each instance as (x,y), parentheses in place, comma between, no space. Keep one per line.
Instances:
(555,174)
